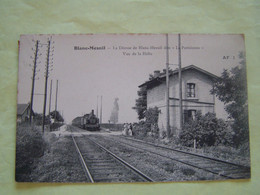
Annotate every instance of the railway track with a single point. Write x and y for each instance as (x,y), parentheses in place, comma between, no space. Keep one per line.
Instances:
(218,167)
(101,165)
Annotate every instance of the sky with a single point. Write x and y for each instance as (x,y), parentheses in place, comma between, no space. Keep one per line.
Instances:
(123,62)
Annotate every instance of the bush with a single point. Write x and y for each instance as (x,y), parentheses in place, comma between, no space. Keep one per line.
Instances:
(149,126)
(54,126)
(141,129)
(30,145)
(206,130)
(151,116)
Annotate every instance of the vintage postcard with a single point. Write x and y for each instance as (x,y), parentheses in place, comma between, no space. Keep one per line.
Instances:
(110,108)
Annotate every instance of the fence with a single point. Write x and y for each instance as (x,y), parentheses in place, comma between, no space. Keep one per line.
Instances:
(112,127)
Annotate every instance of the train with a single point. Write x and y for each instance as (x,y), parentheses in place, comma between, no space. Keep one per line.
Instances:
(88,122)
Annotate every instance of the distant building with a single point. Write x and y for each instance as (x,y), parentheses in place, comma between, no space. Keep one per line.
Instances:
(196,86)
(23,112)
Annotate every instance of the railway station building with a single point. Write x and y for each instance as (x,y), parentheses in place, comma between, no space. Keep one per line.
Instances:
(23,113)
(196,96)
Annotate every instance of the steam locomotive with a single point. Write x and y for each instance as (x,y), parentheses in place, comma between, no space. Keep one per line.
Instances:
(88,121)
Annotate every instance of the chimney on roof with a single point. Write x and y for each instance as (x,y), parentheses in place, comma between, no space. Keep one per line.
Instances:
(156,73)
(164,71)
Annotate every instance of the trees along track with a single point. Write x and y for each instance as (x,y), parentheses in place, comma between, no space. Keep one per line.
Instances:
(101,165)
(216,166)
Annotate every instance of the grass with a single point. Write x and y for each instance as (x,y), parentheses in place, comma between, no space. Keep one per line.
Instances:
(60,162)
(240,155)
(45,158)
(188,171)
(30,146)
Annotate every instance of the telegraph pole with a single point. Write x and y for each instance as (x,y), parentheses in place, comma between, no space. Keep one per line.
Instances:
(46,85)
(167,89)
(33,79)
(180,84)
(97,107)
(56,100)
(100,120)
(50,98)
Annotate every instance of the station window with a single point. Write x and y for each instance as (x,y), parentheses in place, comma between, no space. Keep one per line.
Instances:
(189,115)
(190,90)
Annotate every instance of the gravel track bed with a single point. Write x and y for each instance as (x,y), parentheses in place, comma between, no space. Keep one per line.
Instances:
(211,165)
(102,166)
(156,167)
(233,156)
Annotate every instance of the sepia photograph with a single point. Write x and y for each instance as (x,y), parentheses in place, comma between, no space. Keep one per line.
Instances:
(128,108)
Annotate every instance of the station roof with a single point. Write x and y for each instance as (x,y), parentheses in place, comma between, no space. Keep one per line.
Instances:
(162,75)
(21,108)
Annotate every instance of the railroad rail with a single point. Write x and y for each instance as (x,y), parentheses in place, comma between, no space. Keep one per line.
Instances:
(215,166)
(101,165)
